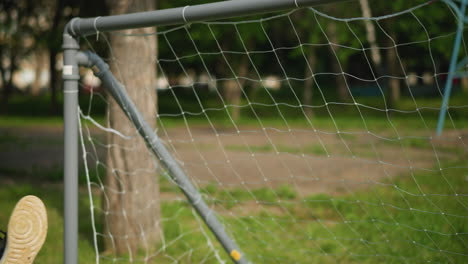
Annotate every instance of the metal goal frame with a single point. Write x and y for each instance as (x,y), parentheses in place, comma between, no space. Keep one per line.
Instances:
(73,58)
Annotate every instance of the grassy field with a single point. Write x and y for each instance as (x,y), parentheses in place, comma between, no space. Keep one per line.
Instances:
(366,227)
(414,218)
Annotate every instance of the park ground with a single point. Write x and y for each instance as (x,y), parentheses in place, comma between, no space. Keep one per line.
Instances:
(341,215)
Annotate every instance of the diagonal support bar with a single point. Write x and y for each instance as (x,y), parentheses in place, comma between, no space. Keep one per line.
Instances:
(154,143)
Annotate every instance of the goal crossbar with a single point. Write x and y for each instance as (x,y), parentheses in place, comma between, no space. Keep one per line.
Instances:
(183,15)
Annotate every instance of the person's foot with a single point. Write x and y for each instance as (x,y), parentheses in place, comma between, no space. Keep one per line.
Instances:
(27,230)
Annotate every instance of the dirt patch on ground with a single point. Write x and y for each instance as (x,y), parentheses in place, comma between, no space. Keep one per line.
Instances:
(310,162)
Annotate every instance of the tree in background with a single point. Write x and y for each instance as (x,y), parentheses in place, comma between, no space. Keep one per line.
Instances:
(17,41)
(245,39)
(233,69)
(136,221)
(33,29)
(371,37)
(307,32)
(421,26)
(59,13)
(338,34)
(393,94)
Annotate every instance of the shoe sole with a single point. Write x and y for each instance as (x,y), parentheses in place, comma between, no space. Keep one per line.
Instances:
(27,230)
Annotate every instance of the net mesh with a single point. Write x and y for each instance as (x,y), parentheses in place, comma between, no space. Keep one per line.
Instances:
(304,144)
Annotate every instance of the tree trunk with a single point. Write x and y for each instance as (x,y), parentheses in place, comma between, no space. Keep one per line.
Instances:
(309,82)
(232,93)
(3,107)
(8,83)
(132,190)
(40,60)
(341,87)
(233,88)
(54,108)
(54,50)
(394,83)
(6,93)
(371,37)
(464,83)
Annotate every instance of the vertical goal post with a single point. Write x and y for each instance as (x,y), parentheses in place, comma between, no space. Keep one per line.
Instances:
(79,27)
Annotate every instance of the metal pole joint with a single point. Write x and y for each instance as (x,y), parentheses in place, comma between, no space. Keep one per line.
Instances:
(70,66)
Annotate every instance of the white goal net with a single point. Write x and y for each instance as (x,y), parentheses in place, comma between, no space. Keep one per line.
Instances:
(310,134)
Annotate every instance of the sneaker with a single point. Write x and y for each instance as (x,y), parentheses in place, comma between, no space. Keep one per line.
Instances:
(2,242)
(27,230)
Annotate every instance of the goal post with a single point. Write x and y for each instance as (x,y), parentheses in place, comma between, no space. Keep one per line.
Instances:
(305,132)
(79,27)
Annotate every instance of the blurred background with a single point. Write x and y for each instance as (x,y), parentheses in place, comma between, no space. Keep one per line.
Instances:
(31,35)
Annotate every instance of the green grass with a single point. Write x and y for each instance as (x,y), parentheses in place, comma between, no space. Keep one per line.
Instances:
(297,120)
(308,149)
(418,143)
(352,228)
(361,224)
(36,121)
(236,196)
